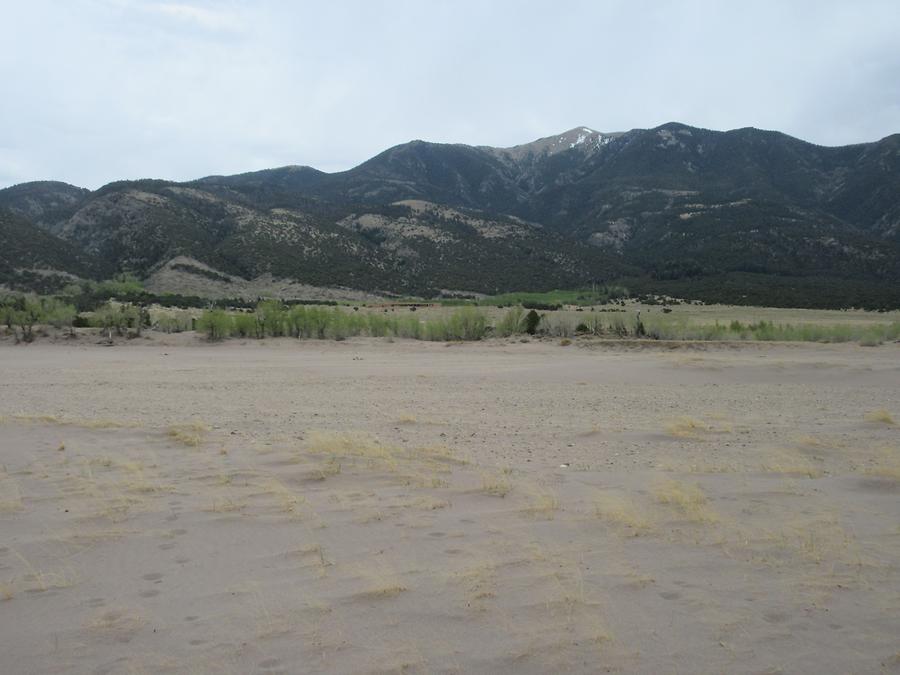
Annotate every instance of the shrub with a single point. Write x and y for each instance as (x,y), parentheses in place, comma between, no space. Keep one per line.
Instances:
(639,329)
(270,316)
(532,320)
(118,316)
(216,323)
(467,323)
(512,322)
(245,325)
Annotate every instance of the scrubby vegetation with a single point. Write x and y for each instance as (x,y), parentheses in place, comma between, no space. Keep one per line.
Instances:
(21,314)
(127,311)
(552,300)
(271,318)
(667,328)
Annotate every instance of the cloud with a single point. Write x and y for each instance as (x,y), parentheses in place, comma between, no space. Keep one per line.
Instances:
(99,90)
(202,17)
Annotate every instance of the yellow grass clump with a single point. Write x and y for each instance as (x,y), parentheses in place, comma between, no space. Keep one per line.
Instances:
(331,467)
(386,591)
(791,463)
(810,441)
(543,503)
(686,427)
(688,499)
(622,511)
(886,464)
(120,624)
(880,416)
(189,433)
(10,496)
(7,592)
(495,484)
(347,444)
(84,423)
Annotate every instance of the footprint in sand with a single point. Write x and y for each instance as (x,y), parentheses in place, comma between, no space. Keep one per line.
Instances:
(149,594)
(181,560)
(167,546)
(270,663)
(152,576)
(179,531)
(670,595)
(96,602)
(196,643)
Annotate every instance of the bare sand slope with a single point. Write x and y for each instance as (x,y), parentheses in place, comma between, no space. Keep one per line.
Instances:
(372,507)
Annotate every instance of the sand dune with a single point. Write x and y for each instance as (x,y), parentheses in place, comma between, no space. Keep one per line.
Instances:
(374,507)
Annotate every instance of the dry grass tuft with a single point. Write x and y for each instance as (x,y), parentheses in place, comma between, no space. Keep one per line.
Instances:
(420,466)
(495,484)
(190,433)
(84,423)
(688,499)
(39,580)
(387,591)
(288,501)
(886,464)
(7,591)
(226,505)
(542,503)
(331,467)
(810,441)
(479,582)
(686,427)
(790,463)
(880,416)
(622,511)
(406,419)
(439,452)
(347,444)
(10,495)
(430,504)
(121,625)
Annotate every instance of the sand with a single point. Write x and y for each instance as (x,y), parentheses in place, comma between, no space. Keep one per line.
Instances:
(497,507)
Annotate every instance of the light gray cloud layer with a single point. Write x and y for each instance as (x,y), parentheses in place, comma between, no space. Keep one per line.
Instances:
(98,90)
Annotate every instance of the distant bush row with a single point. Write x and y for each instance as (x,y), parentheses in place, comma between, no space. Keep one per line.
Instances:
(20,314)
(664,327)
(23,315)
(272,318)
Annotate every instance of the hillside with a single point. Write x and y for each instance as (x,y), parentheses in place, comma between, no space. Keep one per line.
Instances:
(33,258)
(665,205)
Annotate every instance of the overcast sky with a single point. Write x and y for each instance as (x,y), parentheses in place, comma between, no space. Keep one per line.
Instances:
(98,90)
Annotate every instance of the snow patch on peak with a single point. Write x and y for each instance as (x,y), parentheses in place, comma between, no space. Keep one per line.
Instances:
(578,141)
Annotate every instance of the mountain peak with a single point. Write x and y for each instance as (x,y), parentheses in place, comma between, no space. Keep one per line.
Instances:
(583,138)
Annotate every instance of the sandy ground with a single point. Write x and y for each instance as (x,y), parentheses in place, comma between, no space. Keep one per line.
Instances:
(499,507)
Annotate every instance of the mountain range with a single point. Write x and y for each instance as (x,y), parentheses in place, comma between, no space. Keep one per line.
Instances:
(748,213)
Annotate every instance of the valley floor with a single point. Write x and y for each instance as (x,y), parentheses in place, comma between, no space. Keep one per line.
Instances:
(492,507)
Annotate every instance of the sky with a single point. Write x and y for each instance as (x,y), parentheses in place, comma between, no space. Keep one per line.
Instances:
(101,90)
